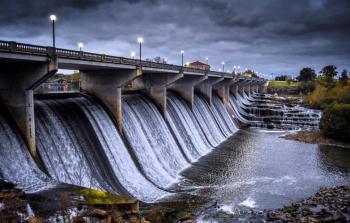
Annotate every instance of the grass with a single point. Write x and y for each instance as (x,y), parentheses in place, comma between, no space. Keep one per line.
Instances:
(283,84)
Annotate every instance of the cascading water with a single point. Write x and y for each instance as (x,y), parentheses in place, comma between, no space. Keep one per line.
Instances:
(186,128)
(206,120)
(152,142)
(16,164)
(86,148)
(222,116)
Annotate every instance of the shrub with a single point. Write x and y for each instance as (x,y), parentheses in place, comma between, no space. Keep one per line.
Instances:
(335,122)
(322,96)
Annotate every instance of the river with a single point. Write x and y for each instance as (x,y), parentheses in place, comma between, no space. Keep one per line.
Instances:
(257,169)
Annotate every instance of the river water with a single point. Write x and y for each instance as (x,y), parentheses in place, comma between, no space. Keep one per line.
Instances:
(258,169)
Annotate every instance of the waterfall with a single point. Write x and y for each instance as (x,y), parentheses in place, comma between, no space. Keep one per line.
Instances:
(80,145)
(16,163)
(186,128)
(223,116)
(206,120)
(151,140)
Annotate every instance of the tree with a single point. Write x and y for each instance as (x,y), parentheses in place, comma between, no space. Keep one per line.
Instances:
(329,71)
(344,77)
(250,73)
(328,74)
(281,78)
(306,74)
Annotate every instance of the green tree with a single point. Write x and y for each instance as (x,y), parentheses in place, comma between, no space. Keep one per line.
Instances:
(329,71)
(344,78)
(306,74)
(328,74)
(281,78)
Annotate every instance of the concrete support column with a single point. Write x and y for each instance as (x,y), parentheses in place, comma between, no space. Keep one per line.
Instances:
(185,87)
(107,86)
(206,87)
(17,82)
(234,88)
(156,86)
(223,89)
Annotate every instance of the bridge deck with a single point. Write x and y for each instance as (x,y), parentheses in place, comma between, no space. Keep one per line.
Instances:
(72,59)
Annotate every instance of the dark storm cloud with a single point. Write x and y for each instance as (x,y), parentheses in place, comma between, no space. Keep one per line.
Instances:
(269,36)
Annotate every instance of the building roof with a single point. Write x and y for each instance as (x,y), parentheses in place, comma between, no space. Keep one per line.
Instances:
(198,63)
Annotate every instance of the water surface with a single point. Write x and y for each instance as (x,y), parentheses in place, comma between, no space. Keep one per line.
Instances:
(257,169)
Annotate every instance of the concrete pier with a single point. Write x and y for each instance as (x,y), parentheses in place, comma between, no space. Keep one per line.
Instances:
(156,86)
(107,86)
(18,79)
(206,87)
(185,87)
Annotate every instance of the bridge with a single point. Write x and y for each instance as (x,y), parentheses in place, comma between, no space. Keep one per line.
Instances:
(23,67)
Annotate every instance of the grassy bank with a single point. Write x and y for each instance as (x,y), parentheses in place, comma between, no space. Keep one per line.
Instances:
(283,84)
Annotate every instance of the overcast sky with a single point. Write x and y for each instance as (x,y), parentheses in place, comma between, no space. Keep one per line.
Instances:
(269,36)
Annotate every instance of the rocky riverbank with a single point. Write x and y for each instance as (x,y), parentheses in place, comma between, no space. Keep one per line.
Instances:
(66,204)
(327,205)
(314,137)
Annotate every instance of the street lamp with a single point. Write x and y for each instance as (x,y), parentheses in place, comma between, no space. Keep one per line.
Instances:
(53,18)
(207,60)
(223,66)
(80,45)
(133,55)
(140,41)
(166,60)
(182,57)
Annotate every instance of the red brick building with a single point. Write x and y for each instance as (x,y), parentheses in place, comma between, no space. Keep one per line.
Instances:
(199,65)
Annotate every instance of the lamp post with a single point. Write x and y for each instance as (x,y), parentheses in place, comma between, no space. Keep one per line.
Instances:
(182,57)
(207,58)
(133,55)
(80,45)
(140,41)
(223,66)
(53,18)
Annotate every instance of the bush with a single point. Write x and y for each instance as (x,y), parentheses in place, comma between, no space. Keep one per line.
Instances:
(335,122)
(322,96)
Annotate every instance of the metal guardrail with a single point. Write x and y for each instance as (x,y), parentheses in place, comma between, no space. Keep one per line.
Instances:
(14,47)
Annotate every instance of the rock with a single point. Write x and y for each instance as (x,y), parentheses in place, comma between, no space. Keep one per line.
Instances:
(99,213)
(186,220)
(79,219)
(117,215)
(143,220)
(35,220)
(312,220)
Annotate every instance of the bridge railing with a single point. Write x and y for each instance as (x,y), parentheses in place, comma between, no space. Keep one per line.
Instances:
(82,55)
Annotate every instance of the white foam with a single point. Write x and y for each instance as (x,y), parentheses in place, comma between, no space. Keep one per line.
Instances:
(249,202)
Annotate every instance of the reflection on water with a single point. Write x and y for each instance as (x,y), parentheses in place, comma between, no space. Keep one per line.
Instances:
(257,169)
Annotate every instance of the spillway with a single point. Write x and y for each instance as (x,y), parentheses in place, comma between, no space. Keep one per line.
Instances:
(151,140)
(186,128)
(16,163)
(80,145)
(223,116)
(207,121)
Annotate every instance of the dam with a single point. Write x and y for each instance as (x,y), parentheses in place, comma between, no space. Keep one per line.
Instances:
(148,130)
